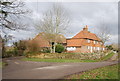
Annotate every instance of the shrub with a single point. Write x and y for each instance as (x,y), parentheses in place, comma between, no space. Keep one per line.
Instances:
(46,51)
(109,47)
(59,48)
(32,46)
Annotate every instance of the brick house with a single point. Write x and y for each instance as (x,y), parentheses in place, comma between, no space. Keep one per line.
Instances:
(85,42)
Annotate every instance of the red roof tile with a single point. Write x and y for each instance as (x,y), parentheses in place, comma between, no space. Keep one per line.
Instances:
(86,34)
(79,39)
(74,42)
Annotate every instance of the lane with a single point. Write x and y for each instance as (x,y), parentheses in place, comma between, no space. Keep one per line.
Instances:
(45,70)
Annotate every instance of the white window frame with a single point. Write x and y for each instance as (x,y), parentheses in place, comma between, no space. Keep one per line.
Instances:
(103,49)
(91,49)
(94,48)
(98,48)
(71,48)
(94,41)
(88,40)
(88,47)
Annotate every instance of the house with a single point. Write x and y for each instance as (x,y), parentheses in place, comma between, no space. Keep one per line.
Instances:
(85,42)
(41,40)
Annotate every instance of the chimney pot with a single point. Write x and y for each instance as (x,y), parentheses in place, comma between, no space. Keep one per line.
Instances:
(85,28)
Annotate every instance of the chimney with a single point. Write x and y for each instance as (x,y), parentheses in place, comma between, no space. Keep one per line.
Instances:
(85,28)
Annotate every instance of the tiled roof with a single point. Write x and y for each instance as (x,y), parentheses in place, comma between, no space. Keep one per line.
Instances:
(42,41)
(74,42)
(86,34)
(79,39)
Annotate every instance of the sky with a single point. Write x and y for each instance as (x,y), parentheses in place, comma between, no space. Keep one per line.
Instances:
(93,14)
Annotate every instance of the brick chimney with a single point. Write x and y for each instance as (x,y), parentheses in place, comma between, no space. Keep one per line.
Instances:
(85,28)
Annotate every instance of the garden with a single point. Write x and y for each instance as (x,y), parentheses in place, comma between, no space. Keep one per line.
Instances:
(33,53)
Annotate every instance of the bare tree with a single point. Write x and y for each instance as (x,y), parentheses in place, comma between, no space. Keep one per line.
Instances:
(10,14)
(103,32)
(55,22)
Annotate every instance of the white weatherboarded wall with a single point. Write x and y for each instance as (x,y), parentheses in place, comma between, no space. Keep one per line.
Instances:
(71,48)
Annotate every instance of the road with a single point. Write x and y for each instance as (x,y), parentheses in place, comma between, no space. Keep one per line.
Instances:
(46,70)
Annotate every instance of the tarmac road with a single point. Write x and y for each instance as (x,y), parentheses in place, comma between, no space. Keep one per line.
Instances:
(18,69)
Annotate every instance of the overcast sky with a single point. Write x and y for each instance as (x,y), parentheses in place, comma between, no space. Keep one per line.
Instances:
(80,13)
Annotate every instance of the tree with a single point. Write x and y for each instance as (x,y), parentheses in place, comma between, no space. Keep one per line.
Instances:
(19,47)
(103,33)
(10,12)
(4,41)
(115,46)
(54,22)
(32,46)
(109,47)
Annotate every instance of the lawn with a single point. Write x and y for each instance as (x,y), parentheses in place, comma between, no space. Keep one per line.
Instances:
(108,72)
(56,60)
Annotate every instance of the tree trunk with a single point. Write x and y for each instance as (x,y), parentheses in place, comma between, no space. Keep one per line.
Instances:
(54,47)
(3,49)
(51,49)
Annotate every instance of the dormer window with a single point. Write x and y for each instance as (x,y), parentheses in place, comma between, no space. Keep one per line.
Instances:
(94,42)
(97,42)
(88,41)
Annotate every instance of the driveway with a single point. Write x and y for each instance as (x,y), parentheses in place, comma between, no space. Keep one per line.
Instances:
(46,70)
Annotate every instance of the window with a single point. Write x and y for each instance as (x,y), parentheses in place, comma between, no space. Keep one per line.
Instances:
(88,41)
(94,42)
(94,48)
(98,48)
(71,48)
(88,47)
(103,49)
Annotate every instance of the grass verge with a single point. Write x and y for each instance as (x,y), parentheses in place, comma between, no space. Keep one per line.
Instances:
(69,60)
(108,72)
(107,57)
(56,60)
(3,64)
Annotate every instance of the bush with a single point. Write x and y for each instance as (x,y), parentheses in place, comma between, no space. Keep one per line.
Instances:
(109,47)
(46,51)
(59,48)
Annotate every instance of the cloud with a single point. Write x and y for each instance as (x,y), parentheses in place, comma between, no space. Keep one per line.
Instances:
(81,14)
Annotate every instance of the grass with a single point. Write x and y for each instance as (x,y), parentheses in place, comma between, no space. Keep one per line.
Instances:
(69,60)
(56,60)
(108,72)
(3,64)
(107,57)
